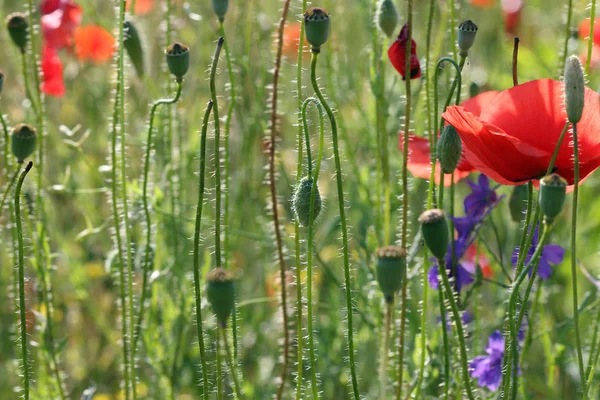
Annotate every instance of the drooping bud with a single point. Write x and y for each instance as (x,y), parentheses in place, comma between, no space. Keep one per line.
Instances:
(467,31)
(390,265)
(220,8)
(317,24)
(133,45)
(18,28)
(301,202)
(517,202)
(449,148)
(220,290)
(435,231)
(553,192)
(574,89)
(178,59)
(23,141)
(386,17)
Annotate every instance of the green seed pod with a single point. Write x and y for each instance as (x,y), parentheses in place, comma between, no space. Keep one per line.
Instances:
(178,59)
(386,17)
(301,202)
(467,31)
(317,24)
(553,192)
(133,45)
(220,8)
(18,29)
(389,266)
(518,202)
(574,89)
(449,148)
(435,231)
(220,290)
(23,140)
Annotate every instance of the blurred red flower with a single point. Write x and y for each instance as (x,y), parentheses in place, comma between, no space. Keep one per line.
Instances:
(475,257)
(482,3)
(512,15)
(513,140)
(291,40)
(52,83)
(419,163)
(397,55)
(94,43)
(141,6)
(59,20)
(595,60)
(584,30)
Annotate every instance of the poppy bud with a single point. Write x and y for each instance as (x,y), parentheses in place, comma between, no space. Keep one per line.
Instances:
(518,202)
(386,17)
(133,45)
(220,8)
(317,24)
(178,59)
(389,266)
(220,290)
(574,89)
(18,28)
(23,141)
(397,55)
(467,31)
(553,192)
(435,231)
(449,148)
(301,202)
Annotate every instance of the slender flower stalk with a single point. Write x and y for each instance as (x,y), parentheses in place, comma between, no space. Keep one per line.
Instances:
(383,365)
(231,364)
(274,202)
(148,253)
(590,45)
(21,269)
(515,64)
(9,186)
(219,368)
(342,211)
(565,52)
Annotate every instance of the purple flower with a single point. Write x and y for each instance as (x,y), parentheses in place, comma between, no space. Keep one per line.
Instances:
(552,254)
(467,317)
(488,369)
(481,198)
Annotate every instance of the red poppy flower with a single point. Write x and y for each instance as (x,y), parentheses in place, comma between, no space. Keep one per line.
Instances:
(512,14)
(474,256)
(482,3)
(419,163)
(584,30)
(94,43)
(52,84)
(513,140)
(142,6)
(59,20)
(291,40)
(397,55)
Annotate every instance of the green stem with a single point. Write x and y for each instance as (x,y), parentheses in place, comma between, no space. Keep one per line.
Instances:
(197,285)
(219,369)
(459,328)
(8,187)
(568,34)
(28,93)
(445,342)
(342,211)
(21,269)
(230,363)
(591,38)
(383,372)
(574,260)
(311,216)
(147,252)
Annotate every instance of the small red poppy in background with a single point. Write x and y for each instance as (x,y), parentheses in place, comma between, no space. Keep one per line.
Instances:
(474,257)
(419,163)
(595,60)
(482,3)
(513,140)
(94,43)
(141,7)
(291,40)
(52,83)
(59,20)
(512,15)
(584,30)
(397,55)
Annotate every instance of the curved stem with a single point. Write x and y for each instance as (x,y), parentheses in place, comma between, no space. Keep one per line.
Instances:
(147,252)
(231,364)
(21,270)
(309,271)
(342,211)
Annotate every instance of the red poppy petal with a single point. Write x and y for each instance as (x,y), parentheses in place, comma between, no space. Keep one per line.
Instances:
(52,69)
(94,43)
(584,30)
(475,105)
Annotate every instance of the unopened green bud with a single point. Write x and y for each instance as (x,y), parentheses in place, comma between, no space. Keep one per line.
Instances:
(390,265)
(133,45)
(178,59)
(220,290)
(435,231)
(317,24)
(18,28)
(449,148)
(574,89)
(553,192)
(220,8)
(301,202)
(386,17)
(23,141)
(467,31)
(517,202)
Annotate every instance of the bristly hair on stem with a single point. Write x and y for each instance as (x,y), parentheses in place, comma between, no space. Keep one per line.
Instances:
(274,202)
